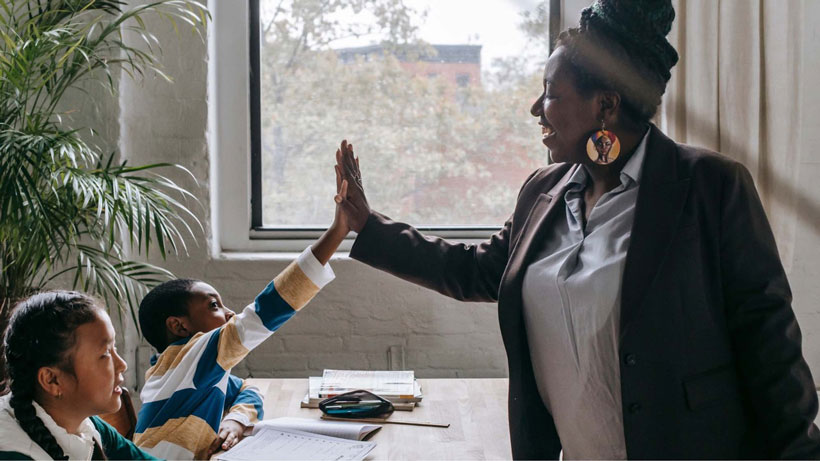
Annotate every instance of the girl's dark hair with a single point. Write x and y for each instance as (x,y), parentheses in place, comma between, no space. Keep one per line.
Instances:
(165,300)
(621,46)
(41,333)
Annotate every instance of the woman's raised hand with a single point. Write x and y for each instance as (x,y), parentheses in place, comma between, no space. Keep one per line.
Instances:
(349,190)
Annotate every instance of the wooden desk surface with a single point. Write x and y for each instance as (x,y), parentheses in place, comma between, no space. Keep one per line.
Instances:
(475,408)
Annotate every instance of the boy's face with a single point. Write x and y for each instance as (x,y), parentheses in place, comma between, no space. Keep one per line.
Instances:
(205,309)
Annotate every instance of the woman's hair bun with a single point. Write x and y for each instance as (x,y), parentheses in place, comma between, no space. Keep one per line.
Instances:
(639,26)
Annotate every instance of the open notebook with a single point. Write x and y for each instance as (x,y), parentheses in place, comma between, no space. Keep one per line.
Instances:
(303,439)
(274,444)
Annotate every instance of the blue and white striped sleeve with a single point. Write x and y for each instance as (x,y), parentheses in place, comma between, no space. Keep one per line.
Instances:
(243,402)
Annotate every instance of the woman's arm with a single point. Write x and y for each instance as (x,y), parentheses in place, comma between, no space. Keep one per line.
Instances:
(762,325)
(460,271)
(464,272)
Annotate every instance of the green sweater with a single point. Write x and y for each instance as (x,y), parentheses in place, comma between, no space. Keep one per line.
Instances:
(114,445)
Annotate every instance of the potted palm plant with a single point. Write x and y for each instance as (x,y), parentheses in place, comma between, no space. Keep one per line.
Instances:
(68,210)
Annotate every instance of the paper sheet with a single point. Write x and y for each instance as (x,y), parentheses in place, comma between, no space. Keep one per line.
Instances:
(270,443)
(345,430)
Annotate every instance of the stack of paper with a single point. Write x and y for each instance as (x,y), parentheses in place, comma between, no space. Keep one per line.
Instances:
(399,387)
(388,384)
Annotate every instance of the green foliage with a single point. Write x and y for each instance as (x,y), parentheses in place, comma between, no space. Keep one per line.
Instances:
(433,152)
(68,208)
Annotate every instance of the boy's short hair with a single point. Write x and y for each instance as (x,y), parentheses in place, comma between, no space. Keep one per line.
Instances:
(165,300)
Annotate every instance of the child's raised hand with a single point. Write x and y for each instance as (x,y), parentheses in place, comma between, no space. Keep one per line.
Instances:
(339,218)
(230,433)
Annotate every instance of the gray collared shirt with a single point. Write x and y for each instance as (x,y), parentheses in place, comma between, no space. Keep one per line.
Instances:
(572,308)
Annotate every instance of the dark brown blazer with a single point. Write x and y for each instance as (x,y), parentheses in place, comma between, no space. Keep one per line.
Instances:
(711,361)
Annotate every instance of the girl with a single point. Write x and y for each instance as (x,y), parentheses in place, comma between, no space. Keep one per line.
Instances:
(64,369)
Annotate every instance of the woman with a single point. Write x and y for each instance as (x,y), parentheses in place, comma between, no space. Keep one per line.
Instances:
(64,370)
(642,303)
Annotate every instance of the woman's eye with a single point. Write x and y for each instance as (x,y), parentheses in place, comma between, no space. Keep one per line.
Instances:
(214,304)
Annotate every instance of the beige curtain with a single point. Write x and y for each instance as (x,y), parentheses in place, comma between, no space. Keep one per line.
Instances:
(736,90)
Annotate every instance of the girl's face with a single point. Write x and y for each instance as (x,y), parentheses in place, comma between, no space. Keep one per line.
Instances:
(94,386)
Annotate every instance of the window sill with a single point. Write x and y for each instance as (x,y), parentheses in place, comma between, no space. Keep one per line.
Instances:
(275,256)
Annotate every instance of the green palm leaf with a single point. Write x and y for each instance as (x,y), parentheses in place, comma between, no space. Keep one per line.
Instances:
(66,208)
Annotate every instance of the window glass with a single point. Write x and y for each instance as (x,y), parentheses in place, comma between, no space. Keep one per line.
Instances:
(433,94)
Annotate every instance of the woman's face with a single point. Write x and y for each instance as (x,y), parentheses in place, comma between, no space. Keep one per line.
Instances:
(566,117)
(94,386)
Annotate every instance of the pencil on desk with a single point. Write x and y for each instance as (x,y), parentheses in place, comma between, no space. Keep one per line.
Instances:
(385,421)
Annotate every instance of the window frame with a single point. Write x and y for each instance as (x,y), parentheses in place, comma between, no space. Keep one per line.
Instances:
(234,120)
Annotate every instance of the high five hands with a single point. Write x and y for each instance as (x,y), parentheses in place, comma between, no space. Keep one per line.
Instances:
(352,208)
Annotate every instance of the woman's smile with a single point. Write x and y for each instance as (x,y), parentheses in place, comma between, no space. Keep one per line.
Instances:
(547,131)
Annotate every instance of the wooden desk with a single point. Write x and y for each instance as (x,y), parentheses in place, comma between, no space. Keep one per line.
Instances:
(475,408)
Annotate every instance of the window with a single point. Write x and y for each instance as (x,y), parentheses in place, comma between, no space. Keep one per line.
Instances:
(441,153)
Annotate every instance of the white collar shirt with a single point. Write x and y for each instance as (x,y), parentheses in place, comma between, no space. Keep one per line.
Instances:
(78,446)
(572,307)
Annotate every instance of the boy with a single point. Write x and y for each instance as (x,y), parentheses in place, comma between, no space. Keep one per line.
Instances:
(192,405)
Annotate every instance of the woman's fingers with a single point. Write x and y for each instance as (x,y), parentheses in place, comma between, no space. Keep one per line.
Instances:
(344,160)
(349,209)
(351,197)
(347,152)
(352,167)
(342,166)
(344,149)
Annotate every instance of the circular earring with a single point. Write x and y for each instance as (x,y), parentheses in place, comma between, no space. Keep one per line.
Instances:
(603,147)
